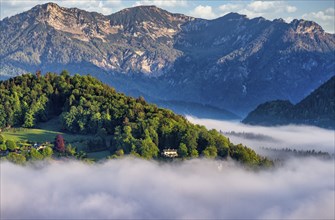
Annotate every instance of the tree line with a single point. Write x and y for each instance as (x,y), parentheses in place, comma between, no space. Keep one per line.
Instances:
(85,105)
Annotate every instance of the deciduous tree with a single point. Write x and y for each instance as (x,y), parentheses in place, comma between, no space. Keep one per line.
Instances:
(59,143)
(11,145)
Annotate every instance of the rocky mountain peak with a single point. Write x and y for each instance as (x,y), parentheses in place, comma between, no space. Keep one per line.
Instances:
(234,16)
(148,15)
(148,12)
(302,26)
(146,9)
(43,11)
(309,36)
(279,20)
(80,24)
(51,7)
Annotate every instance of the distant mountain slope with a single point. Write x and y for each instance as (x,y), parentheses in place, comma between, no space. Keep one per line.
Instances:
(232,62)
(242,62)
(198,110)
(316,109)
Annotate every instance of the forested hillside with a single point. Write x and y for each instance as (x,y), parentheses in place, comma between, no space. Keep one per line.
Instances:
(85,105)
(317,109)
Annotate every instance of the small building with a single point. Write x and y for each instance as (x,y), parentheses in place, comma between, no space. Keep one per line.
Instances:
(170,153)
(41,147)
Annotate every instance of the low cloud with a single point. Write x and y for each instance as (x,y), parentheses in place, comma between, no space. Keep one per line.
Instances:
(138,189)
(203,11)
(261,6)
(271,6)
(326,15)
(227,8)
(268,9)
(281,137)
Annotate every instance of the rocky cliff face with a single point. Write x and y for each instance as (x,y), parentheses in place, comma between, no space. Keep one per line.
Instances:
(136,40)
(231,62)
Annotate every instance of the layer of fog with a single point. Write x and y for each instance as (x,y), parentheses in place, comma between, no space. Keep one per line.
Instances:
(139,189)
(291,136)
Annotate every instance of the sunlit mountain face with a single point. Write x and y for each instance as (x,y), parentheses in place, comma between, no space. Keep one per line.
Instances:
(232,62)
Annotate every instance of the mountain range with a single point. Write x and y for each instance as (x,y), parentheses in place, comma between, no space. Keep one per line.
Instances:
(317,109)
(232,63)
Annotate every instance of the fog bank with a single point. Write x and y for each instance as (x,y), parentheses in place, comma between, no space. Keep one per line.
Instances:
(138,189)
(291,136)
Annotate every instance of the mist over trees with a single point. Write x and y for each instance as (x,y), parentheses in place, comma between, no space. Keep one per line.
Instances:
(131,188)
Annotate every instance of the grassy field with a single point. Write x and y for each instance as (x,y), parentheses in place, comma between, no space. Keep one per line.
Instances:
(35,135)
(40,135)
(99,155)
(46,132)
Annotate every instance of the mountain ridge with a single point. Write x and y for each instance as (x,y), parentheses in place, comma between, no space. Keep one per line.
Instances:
(231,62)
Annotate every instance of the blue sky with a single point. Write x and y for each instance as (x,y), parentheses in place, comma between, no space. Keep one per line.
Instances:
(321,11)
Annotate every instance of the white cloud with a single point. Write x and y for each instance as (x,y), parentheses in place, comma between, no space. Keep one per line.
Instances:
(261,6)
(204,12)
(9,8)
(330,11)
(291,136)
(251,14)
(267,9)
(270,6)
(139,189)
(326,15)
(291,9)
(226,8)
(163,3)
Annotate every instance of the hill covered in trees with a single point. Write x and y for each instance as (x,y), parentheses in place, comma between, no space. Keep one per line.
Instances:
(84,105)
(316,109)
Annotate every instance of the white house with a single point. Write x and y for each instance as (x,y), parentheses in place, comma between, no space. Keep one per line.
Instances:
(170,153)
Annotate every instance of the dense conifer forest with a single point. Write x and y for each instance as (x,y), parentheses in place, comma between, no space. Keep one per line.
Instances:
(86,106)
